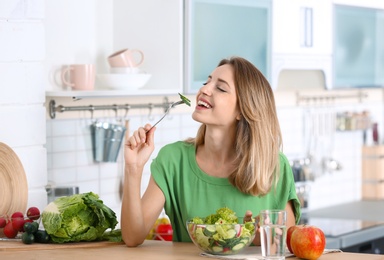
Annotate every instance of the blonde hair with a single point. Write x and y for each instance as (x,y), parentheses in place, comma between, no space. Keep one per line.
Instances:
(258,136)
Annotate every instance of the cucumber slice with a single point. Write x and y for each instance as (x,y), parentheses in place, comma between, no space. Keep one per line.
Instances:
(217,249)
(231,233)
(185,99)
(237,247)
(244,240)
(209,230)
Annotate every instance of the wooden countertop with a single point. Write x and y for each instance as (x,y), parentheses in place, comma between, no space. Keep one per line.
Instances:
(158,250)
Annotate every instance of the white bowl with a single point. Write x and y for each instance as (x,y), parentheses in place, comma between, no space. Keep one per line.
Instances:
(125,70)
(123,81)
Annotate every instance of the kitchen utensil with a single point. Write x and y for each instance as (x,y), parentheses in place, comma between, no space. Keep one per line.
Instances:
(13,182)
(121,182)
(106,141)
(81,76)
(329,163)
(308,163)
(60,191)
(273,233)
(126,58)
(172,105)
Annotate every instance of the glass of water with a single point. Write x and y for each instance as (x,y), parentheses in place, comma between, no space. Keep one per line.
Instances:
(273,233)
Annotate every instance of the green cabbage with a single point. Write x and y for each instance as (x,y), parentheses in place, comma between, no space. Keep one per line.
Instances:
(80,217)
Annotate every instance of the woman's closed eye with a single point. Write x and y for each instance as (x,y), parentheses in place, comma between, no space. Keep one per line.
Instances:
(221,89)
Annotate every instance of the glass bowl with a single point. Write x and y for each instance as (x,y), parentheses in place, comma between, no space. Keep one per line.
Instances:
(222,239)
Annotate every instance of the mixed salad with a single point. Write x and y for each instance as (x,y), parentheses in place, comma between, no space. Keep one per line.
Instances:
(221,233)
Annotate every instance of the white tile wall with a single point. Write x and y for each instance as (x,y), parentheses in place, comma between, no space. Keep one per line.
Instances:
(22,111)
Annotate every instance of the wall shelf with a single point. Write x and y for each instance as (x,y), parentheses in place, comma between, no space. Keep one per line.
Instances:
(105,93)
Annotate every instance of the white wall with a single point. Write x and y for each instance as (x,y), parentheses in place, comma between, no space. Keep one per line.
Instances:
(22,112)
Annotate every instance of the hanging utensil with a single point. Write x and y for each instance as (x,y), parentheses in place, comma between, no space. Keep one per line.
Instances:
(184,100)
(329,163)
(121,182)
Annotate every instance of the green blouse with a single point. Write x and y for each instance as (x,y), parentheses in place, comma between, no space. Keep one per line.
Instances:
(189,192)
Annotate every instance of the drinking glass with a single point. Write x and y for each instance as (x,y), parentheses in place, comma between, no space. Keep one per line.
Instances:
(273,233)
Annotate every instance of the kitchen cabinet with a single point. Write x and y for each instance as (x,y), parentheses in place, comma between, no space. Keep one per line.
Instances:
(90,31)
(372,176)
(361,3)
(156,28)
(358,46)
(216,29)
(301,37)
(302,27)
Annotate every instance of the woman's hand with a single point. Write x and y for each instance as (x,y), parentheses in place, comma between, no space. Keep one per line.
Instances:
(139,147)
(247,218)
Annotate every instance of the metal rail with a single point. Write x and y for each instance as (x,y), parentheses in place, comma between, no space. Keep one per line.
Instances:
(330,96)
(53,109)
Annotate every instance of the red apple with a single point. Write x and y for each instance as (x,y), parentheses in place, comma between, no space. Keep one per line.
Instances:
(289,235)
(308,242)
(164,231)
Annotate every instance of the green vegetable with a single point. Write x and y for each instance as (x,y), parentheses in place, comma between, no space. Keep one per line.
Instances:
(30,227)
(185,99)
(80,217)
(27,238)
(113,236)
(41,236)
(222,216)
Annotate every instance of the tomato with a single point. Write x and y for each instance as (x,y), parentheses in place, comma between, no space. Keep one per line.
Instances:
(165,232)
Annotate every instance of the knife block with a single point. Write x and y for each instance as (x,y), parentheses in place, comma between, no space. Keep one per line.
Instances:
(373,172)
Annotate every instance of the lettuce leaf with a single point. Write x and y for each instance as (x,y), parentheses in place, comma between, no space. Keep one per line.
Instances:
(80,217)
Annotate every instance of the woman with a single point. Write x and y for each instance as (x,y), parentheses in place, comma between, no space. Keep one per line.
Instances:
(234,161)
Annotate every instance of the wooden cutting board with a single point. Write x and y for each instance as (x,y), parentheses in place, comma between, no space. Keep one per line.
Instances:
(13,182)
(19,245)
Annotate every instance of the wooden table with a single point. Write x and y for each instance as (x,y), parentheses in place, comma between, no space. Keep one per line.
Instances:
(114,251)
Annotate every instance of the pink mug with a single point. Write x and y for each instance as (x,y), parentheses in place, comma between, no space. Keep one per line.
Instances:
(126,58)
(81,76)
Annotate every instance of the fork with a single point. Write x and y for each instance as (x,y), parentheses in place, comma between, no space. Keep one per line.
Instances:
(172,105)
